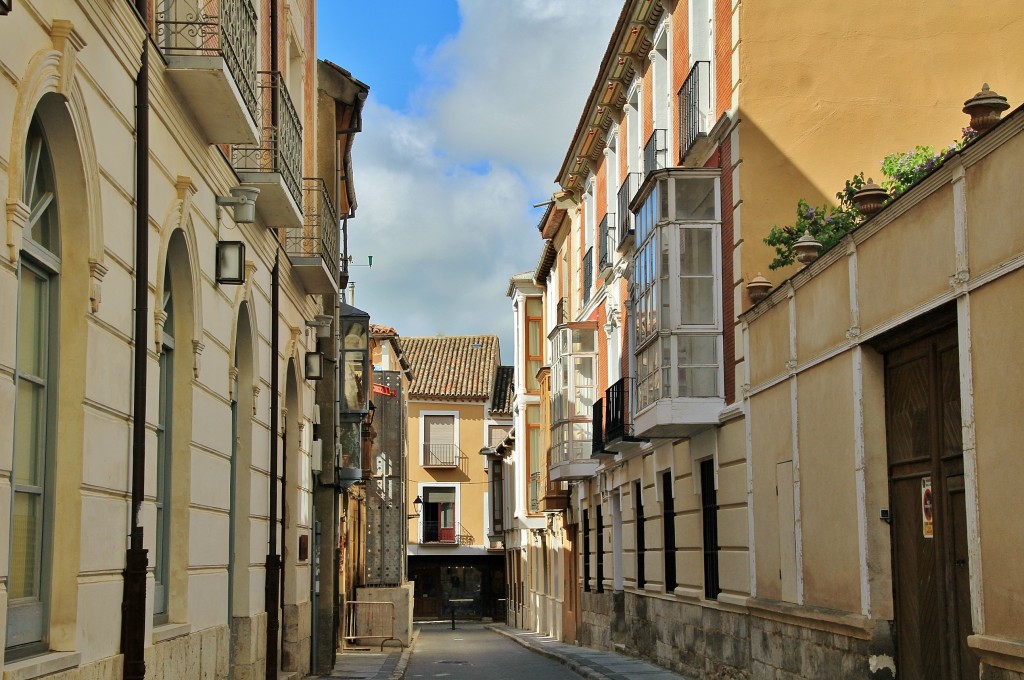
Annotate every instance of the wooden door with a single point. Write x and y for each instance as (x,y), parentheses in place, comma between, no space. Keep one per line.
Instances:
(929,537)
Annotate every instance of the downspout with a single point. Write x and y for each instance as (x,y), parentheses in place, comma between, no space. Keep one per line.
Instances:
(273,578)
(133,619)
(272,594)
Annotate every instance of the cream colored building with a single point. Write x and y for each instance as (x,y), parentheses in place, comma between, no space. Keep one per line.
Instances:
(707,121)
(231,103)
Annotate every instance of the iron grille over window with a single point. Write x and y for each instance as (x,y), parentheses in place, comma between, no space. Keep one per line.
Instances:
(607,241)
(626,193)
(709,517)
(694,106)
(640,547)
(600,549)
(586,551)
(655,151)
(669,522)
(588,275)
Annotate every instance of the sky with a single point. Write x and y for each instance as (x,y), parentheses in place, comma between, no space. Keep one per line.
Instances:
(471,110)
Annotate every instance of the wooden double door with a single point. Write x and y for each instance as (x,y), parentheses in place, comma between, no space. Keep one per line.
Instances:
(931,579)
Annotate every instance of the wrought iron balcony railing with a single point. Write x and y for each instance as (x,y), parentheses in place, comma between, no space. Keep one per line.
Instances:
(618,423)
(655,152)
(626,193)
(213,27)
(318,237)
(433,532)
(562,311)
(607,241)
(535,492)
(588,275)
(694,106)
(440,455)
(597,435)
(280,147)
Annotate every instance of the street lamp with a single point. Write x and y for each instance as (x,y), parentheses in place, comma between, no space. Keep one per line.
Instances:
(418,504)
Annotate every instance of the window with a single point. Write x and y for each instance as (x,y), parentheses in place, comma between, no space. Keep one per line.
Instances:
(586,550)
(661,106)
(668,508)
(709,519)
(589,226)
(496,482)
(533,456)
(676,290)
(638,494)
(440,440)
(573,369)
(534,359)
(165,407)
(439,523)
(600,549)
(35,404)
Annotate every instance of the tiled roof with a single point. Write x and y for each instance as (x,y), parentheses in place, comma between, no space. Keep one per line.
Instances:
(504,391)
(377,329)
(456,367)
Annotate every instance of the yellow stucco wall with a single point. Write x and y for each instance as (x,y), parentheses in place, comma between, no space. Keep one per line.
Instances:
(997,314)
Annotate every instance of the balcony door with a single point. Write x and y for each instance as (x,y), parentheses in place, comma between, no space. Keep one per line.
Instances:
(439,441)
(439,514)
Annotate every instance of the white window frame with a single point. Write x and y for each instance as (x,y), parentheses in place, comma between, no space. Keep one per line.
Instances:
(421,493)
(423,441)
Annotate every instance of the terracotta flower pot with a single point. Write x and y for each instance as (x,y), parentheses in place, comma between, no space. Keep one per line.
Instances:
(870,199)
(806,248)
(985,108)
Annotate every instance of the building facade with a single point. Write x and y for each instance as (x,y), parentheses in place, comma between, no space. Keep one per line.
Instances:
(159,396)
(454,412)
(707,122)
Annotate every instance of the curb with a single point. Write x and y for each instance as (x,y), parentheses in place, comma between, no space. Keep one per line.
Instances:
(572,664)
(403,661)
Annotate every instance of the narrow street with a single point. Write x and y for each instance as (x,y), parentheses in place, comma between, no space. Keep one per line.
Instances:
(472,651)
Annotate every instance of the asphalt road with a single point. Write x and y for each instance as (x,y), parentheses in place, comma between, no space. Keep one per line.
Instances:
(471,652)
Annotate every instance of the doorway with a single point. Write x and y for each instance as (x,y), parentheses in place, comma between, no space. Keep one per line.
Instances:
(931,579)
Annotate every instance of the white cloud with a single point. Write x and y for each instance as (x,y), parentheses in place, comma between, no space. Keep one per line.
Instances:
(445,194)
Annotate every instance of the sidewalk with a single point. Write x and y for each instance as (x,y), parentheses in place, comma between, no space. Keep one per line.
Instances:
(374,664)
(594,664)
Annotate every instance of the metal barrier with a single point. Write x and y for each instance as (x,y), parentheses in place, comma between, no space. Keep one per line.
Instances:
(370,621)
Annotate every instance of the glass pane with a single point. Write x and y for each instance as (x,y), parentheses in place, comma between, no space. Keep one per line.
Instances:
(24,581)
(532,367)
(439,495)
(355,336)
(698,381)
(698,296)
(533,339)
(354,393)
(33,294)
(583,342)
(696,252)
(30,450)
(695,198)
(161,535)
(533,306)
(697,349)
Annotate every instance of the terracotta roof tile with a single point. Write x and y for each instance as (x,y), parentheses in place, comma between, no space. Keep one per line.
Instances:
(455,367)
(504,392)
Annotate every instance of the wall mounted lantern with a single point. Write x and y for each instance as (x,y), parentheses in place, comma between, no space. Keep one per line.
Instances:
(418,506)
(354,362)
(230,263)
(314,365)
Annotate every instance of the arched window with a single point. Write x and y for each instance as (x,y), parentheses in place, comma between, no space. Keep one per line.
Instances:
(35,403)
(165,407)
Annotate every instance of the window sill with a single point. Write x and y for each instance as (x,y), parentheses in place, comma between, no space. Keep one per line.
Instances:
(169,631)
(46,663)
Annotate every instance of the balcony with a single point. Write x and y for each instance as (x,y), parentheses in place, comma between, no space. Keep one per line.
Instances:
(556,498)
(655,152)
(626,193)
(607,241)
(434,532)
(210,48)
(618,423)
(597,440)
(313,250)
(274,163)
(440,455)
(535,498)
(588,275)
(696,115)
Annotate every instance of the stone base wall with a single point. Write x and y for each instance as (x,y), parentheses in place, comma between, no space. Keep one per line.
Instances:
(249,647)
(783,650)
(297,637)
(202,654)
(993,673)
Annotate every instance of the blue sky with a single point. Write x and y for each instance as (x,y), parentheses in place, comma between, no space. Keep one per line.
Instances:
(471,109)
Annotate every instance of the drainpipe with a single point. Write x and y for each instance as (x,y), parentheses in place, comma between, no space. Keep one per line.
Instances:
(133,619)
(273,578)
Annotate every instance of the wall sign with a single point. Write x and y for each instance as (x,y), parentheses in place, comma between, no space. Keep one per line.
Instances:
(927,508)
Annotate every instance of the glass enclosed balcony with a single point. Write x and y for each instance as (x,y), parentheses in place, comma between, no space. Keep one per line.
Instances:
(676,295)
(573,388)
(274,163)
(210,48)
